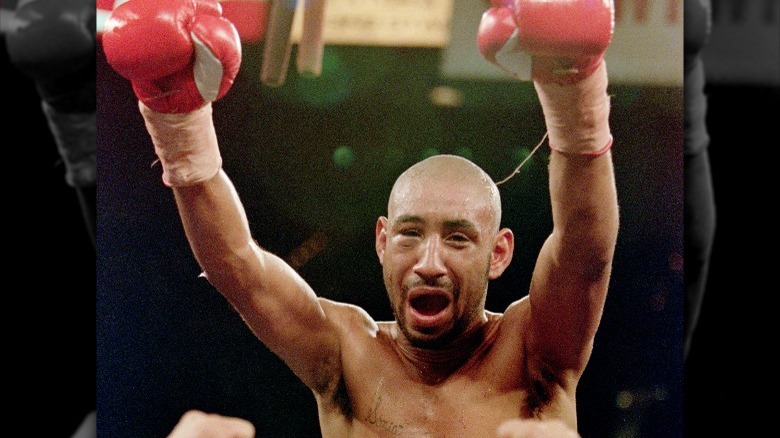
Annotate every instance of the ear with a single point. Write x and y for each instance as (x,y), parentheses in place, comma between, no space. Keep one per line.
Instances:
(381,238)
(503,250)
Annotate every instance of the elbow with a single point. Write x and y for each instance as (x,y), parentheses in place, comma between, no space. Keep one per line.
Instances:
(226,270)
(587,246)
(597,269)
(589,261)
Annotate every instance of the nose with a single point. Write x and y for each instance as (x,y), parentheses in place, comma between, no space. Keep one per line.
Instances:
(430,265)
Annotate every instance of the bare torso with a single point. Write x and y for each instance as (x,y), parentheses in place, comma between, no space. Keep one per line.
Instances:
(385,393)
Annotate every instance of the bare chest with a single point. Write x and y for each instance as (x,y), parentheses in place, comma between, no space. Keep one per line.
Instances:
(454,409)
(384,395)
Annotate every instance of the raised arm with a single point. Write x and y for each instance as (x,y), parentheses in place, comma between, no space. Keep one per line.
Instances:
(571,277)
(177,70)
(560,45)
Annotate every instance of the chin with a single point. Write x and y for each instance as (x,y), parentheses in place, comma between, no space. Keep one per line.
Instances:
(439,338)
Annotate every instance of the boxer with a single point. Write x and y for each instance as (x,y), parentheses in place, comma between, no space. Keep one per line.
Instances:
(445,366)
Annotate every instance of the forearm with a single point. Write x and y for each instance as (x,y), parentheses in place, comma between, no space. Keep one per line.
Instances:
(582,184)
(585,212)
(211,212)
(218,231)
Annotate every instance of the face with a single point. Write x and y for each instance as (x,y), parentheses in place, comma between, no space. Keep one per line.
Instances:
(439,246)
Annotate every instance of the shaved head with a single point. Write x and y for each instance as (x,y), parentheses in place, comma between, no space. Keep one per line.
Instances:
(449,171)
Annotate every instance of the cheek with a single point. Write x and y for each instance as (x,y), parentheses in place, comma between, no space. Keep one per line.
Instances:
(396,260)
(392,271)
(472,278)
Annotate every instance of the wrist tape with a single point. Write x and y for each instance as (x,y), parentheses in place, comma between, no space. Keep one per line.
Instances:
(74,134)
(577,115)
(186,145)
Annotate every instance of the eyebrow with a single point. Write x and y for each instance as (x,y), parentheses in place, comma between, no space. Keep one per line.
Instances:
(448,224)
(408,218)
(459,224)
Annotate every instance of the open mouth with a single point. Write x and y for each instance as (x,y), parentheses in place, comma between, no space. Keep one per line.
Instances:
(429,308)
(429,304)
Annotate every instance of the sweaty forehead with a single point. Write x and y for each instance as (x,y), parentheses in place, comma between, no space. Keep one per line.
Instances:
(443,183)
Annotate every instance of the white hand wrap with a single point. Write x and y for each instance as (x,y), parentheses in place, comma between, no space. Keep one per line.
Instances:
(577,115)
(185,143)
(74,134)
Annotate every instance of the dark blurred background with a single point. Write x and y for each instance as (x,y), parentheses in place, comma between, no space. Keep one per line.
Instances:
(732,345)
(49,267)
(313,161)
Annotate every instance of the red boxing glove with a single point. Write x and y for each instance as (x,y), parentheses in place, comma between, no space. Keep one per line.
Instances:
(249,16)
(179,54)
(560,41)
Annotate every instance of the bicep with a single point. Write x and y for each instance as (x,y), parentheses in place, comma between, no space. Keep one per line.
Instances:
(566,306)
(285,314)
(571,277)
(279,307)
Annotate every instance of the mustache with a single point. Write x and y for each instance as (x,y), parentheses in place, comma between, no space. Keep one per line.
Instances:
(439,283)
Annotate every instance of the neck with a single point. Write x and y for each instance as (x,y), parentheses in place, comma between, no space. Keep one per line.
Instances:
(434,364)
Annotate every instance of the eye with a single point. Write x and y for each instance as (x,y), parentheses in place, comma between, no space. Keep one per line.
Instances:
(458,239)
(410,232)
(407,237)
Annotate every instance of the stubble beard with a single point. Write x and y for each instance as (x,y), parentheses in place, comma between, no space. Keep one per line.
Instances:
(418,340)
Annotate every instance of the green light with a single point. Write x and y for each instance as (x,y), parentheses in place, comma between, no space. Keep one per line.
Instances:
(343,157)
(465,153)
(520,154)
(331,61)
(333,86)
(429,152)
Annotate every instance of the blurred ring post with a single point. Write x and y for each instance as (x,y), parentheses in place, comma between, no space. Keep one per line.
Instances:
(276,52)
(311,46)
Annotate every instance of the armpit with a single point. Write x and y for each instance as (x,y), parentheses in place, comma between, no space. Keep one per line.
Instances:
(546,390)
(538,396)
(341,399)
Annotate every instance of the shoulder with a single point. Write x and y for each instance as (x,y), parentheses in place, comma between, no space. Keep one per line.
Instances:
(507,331)
(516,313)
(348,316)
(547,386)
(357,332)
